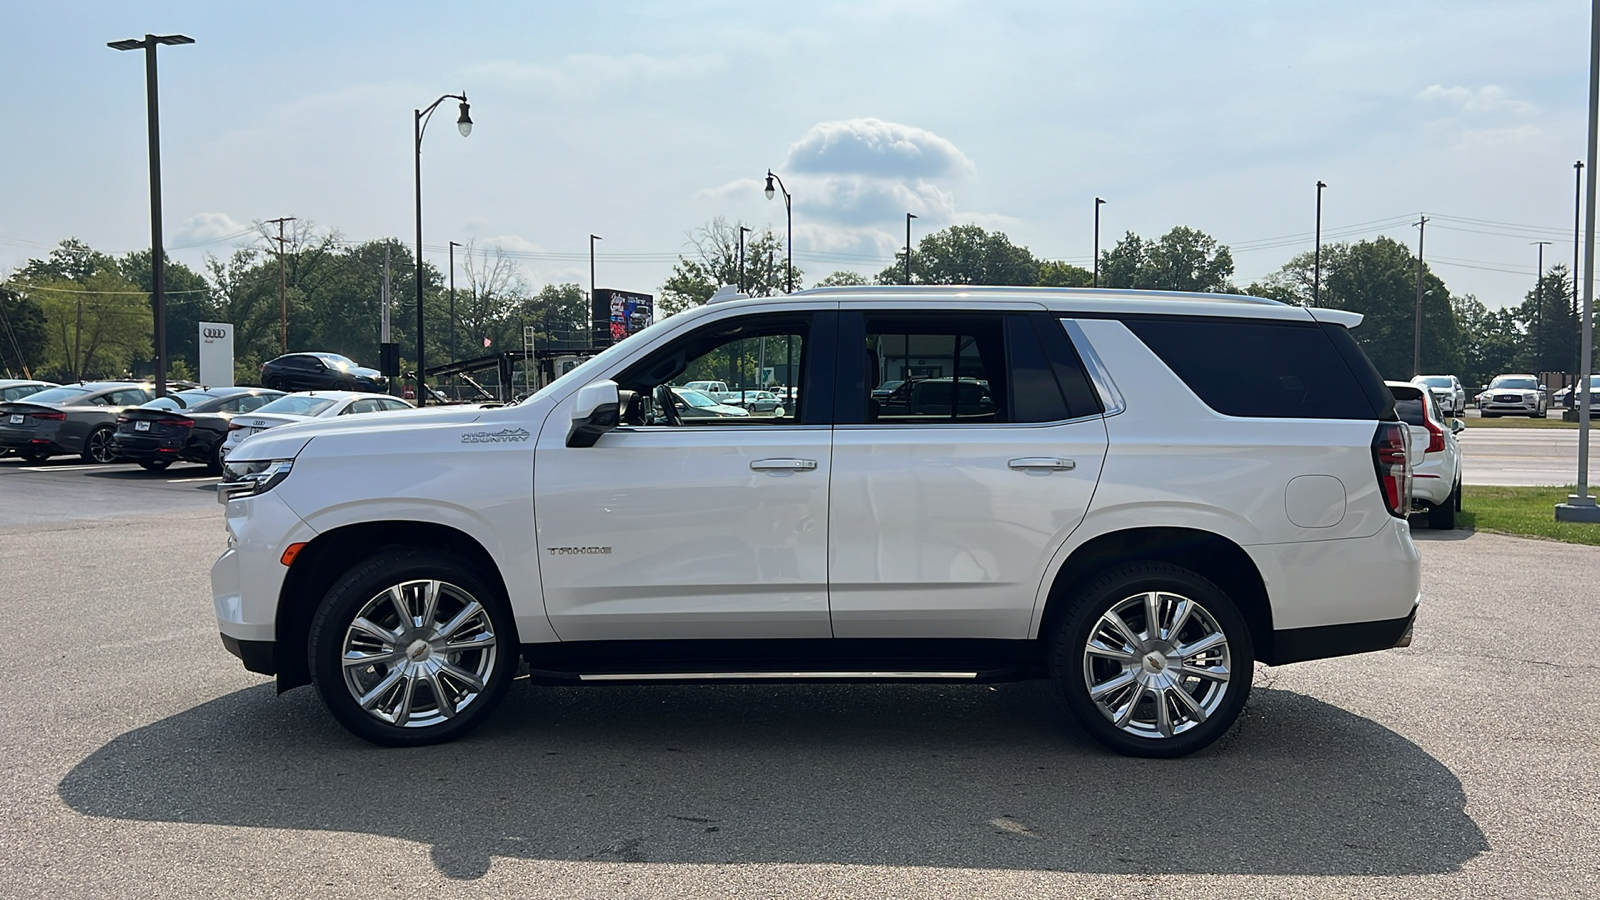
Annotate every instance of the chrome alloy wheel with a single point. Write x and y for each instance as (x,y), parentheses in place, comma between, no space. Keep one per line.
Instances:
(418,653)
(1157,664)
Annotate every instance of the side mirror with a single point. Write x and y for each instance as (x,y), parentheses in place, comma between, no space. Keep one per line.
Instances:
(1542,387)
(1457,426)
(595,411)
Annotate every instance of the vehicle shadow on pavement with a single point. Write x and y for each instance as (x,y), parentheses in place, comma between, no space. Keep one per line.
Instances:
(967,777)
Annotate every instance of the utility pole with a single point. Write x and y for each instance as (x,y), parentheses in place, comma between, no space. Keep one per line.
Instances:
(1416,345)
(283,285)
(1577,210)
(1538,316)
(1316,257)
(1580,506)
(453,246)
(1097,204)
(740,276)
(592,239)
(909,217)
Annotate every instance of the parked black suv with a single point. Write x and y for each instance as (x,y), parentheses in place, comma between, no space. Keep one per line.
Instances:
(320,371)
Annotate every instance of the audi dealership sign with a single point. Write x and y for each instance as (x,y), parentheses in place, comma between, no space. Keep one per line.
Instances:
(216,354)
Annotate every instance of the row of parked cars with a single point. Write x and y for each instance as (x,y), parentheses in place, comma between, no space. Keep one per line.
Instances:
(123,421)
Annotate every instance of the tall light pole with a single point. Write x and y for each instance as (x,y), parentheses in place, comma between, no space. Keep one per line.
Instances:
(1538,313)
(1097,204)
(788,214)
(1580,507)
(283,285)
(1316,256)
(592,239)
(419,125)
(453,351)
(739,276)
(909,217)
(1416,345)
(1577,209)
(158,253)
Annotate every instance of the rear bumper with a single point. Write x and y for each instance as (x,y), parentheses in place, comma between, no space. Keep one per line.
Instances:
(143,448)
(1325,641)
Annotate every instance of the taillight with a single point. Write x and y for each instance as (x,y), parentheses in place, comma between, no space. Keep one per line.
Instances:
(123,420)
(51,416)
(1435,435)
(1394,473)
(181,423)
(233,427)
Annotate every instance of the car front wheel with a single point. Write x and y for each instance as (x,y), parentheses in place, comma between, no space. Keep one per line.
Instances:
(1152,660)
(412,647)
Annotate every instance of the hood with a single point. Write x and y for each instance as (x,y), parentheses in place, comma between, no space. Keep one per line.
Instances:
(288,441)
(364,372)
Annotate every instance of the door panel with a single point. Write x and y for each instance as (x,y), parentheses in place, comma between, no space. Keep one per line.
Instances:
(661,532)
(936,535)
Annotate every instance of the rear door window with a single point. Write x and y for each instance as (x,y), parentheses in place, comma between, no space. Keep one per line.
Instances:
(1260,369)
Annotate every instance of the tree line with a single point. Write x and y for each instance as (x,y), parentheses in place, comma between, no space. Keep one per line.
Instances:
(79,313)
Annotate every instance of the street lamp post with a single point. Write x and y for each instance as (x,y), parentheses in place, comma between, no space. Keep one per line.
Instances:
(1577,210)
(1097,204)
(158,291)
(419,125)
(1316,256)
(1538,313)
(453,350)
(788,214)
(592,239)
(1580,506)
(1416,345)
(739,275)
(909,217)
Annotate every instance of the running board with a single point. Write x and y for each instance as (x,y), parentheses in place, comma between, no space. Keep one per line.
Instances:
(777,676)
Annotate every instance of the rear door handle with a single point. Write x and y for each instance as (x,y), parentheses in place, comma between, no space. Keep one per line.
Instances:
(1053,463)
(783,465)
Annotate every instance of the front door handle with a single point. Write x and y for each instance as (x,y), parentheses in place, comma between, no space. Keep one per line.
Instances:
(783,465)
(1052,463)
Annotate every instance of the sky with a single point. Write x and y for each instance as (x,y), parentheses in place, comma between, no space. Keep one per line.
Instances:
(640,122)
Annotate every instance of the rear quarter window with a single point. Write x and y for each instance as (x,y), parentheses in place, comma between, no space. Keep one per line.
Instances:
(1258,369)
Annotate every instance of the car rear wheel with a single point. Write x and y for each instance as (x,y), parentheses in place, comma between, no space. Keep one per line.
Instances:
(155,465)
(412,647)
(97,446)
(1443,513)
(1152,660)
(214,462)
(275,382)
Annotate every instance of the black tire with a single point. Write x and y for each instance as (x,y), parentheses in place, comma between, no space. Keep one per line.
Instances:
(97,446)
(1443,514)
(34,455)
(1541,414)
(1457,494)
(343,386)
(214,458)
(274,382)
(155,465)
(1073,667)
(366,587)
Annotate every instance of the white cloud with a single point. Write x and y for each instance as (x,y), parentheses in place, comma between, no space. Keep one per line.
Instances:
(878,148)
(205,228)
(1487,99)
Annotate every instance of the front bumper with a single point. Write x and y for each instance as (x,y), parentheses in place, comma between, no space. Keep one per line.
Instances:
(257,656)
(248,577)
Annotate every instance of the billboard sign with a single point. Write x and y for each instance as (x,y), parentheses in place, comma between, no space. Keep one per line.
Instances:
(216,354)
(618,314)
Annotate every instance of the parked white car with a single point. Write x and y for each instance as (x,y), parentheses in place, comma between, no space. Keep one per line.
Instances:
(306,406)
(1564,396)
(1447,389)
(1434,453)
(1161,491)
(1513,395)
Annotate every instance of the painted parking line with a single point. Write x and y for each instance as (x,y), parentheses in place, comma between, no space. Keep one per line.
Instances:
(185,480)
(67,468)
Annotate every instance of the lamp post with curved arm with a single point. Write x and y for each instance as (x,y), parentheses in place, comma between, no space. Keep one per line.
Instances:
(420,124)
(788,213)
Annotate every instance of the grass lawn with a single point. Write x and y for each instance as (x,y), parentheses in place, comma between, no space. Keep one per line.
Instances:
(1522,511)
(1524,422)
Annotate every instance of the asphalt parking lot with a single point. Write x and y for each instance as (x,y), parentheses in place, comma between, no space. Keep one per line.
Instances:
(141,760)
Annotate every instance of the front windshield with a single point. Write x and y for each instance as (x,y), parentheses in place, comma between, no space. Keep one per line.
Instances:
(1515,383)
(297,405)
(57,395)
(337,361)
(1440,381)
(581,374)
(696,399)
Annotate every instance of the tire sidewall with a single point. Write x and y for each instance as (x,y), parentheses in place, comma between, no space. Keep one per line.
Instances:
(352,592)
(1092,598)
(101,433)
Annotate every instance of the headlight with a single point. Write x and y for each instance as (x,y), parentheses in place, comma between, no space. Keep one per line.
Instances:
(248,478)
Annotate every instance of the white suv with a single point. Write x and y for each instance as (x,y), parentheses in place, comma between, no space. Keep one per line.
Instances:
(1139,497)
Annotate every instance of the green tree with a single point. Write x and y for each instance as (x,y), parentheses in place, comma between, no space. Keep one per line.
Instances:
(715,262)
(97,328)
(1491,341)
(188,298)
(965,254)
(1550,330)
(1183,259)
(71,259)
(23,335)
(1378,279)
(844,278)
(1056,273)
